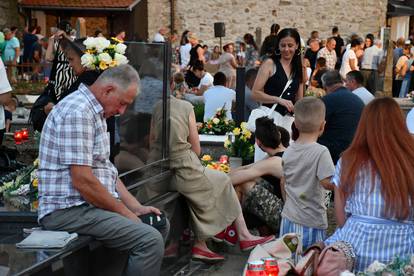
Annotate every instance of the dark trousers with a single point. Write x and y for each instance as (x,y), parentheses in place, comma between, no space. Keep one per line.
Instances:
(396,87)
(370,80)
(144,243)
(2,131)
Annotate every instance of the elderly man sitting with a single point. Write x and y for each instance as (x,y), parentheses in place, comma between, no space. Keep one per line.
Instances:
(79,188)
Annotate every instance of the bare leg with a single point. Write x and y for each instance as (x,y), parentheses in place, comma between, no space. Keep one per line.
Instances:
(202,245)
(244,234)
(243,188)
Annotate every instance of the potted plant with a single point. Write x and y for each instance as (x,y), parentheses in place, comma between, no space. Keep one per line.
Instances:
(238,145)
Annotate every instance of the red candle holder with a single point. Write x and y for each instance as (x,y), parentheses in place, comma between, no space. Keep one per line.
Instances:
(25,134)
(18,137)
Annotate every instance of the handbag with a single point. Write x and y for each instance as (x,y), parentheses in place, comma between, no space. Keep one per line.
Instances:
(37,115)
(263,111)
(336,258)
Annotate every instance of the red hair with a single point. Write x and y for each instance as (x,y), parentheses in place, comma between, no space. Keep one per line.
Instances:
(383,144)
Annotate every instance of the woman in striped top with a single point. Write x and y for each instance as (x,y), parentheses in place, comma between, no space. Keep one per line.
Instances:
(374,187)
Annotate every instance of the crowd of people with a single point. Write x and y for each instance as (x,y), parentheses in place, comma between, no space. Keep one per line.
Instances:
(292,193)
(347,141)
(363,56)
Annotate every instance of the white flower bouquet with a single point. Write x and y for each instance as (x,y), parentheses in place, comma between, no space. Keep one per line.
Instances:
(101,54)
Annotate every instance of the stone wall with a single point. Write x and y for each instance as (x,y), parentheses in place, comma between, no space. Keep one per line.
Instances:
(158,15)
(8,14)
(241,16)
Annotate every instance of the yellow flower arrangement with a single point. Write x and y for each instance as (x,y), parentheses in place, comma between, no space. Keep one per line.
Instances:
(238,144)
(208,162)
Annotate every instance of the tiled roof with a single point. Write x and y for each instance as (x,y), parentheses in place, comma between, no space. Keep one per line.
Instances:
(94,4)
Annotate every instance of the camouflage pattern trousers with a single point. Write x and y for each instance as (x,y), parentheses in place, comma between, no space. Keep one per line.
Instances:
(264,204)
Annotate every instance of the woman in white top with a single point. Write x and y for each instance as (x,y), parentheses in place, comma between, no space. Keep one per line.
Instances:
(350,60)
(185,48)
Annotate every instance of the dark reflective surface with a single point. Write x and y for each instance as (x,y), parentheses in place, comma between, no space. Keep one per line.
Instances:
(16,260)
(134,126)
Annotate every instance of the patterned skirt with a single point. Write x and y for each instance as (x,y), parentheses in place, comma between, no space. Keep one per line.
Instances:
(375,239)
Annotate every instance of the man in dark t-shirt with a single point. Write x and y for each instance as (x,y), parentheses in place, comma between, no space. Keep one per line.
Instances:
(312,52)
(343,110)
(269,44)
(339,48)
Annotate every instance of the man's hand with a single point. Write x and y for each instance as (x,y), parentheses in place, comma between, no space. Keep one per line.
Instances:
(142,210)
(47,108)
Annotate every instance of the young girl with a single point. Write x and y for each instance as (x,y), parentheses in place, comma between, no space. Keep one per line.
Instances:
(180,87)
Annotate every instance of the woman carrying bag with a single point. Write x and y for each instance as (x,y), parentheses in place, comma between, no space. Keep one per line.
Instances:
(279,82)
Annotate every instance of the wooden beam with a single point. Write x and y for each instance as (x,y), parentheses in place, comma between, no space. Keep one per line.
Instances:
(387,91)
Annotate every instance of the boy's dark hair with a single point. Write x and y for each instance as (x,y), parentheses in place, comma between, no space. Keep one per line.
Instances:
(178,77)
(356,75)
(198,65)
(220,79)
(321,61)
(284,136)
(334,30)
(251,74)
(267,132)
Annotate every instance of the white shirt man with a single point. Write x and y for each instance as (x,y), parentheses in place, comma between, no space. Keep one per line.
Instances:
(159,36)
(372,56)
(217,97)
(5,89)
(206,80)
(353,82)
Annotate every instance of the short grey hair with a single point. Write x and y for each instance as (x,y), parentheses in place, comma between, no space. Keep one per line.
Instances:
(330,78)
(378,42)
(123,76)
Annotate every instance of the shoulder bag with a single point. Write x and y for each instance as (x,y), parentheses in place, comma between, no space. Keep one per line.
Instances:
(263,111)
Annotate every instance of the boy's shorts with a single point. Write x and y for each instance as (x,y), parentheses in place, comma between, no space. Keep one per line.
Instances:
(309,235)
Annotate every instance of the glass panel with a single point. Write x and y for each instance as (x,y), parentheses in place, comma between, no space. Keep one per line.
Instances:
(135,158)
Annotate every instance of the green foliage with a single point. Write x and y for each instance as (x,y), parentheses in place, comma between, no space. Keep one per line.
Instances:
(199,112)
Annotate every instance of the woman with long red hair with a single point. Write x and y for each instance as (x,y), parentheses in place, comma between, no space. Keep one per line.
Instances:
(374,187)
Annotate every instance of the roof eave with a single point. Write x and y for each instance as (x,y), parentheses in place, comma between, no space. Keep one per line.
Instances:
(131,7)
(125,9)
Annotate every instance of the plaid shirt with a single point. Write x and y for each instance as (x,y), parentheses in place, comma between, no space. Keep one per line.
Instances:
(329,56)
(74,134)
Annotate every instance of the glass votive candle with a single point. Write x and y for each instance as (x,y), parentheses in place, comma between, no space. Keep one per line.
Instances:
(25,134)
(18,137)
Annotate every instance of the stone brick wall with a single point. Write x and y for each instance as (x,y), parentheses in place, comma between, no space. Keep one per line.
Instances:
(8,14)
(241,16)
(158,16)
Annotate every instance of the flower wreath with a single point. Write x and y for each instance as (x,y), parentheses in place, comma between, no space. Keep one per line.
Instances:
(101,54)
